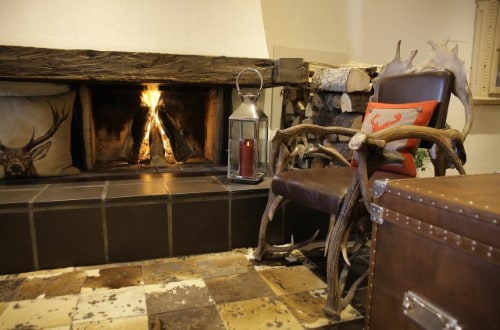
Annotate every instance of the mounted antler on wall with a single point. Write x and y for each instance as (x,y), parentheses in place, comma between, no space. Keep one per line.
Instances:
(440,59)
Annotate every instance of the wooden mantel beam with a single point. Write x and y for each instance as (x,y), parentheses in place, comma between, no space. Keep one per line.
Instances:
(91,66)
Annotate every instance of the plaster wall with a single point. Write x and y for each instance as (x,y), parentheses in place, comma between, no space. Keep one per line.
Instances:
(201,27)
(330,31)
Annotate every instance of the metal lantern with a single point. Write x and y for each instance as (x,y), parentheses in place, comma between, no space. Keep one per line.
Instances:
(247,138)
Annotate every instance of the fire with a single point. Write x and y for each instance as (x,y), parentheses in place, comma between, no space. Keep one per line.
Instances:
(151,96)
(151,146)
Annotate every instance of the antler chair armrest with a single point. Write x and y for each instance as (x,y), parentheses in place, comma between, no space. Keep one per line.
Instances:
(280,153)
(370,149)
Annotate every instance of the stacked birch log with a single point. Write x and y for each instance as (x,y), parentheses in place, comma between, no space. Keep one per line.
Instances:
(334,97)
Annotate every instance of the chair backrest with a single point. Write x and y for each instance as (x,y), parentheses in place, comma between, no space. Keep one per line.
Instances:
(422,86)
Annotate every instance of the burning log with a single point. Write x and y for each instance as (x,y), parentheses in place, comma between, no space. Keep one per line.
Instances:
(157,153)
(181,148)
(134,138)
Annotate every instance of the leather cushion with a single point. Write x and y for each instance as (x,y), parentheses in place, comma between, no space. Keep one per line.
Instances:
(322,189)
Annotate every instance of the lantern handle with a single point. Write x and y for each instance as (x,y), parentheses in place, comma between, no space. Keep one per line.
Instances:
(251,69)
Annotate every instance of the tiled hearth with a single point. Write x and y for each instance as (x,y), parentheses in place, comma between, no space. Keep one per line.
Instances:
(121,217)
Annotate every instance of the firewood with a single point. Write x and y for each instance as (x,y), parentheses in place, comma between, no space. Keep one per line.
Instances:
(354,102)
(127,153)
(178,141)
(344,80)
(135,137)
(349,120)
(289,108)
(156,149)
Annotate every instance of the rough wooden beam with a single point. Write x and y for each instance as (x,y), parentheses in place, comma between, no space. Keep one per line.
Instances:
(291,71)
(44,64)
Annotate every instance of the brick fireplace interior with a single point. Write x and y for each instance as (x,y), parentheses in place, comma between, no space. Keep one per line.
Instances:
(120,209)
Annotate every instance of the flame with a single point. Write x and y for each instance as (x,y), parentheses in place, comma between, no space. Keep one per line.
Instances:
(151,97)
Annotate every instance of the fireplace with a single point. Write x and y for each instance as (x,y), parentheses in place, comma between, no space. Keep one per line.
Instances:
(186,125)
(121,207)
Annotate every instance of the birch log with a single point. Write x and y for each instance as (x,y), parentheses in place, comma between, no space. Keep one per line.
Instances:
(344,80)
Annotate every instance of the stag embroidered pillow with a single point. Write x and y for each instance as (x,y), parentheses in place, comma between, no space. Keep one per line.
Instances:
(28,88)
(382,115)
(35,135)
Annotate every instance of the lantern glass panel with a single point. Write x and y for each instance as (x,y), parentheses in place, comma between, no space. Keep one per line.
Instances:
(262,146)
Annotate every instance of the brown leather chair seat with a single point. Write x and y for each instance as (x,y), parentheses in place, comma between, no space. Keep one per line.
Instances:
(321,189)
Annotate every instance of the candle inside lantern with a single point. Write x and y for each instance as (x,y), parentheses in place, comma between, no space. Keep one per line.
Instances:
(246,157)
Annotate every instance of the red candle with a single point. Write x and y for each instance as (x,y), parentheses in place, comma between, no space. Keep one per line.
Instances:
(246,157)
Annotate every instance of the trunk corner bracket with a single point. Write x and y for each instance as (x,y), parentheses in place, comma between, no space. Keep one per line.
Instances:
(376,212)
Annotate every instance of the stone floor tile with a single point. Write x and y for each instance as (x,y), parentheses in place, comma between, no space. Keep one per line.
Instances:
(292,280)
(8,277)
(46,272)
(125,323)
(206,317)
(3,306)
(9,289)
(307,307)
(165,271)
(211,291)
(236,287)
(222,264)
(52,286)
(259,313)
(172,296)
(39,313)
(112,278)
(110,304)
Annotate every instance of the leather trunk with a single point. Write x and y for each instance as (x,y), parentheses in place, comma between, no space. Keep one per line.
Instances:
(435,241)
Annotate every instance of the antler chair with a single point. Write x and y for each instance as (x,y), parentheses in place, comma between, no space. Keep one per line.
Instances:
(344,191)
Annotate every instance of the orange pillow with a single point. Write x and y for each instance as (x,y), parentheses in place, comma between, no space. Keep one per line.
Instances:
(381,115)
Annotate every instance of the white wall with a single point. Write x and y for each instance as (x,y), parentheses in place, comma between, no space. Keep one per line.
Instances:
(206,27)
(201,27)
(320,30)
(367,31)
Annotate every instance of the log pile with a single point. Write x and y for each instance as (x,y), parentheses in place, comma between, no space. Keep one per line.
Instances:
(333,97)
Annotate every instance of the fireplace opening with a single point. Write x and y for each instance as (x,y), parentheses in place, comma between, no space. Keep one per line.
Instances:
(184,125)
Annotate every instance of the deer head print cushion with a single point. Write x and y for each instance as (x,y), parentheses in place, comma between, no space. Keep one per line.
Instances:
(35,135)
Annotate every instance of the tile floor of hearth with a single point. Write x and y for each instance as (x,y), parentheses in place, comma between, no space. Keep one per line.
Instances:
(226,290)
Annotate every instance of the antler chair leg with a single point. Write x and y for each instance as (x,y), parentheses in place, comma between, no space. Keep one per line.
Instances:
(273,202)
(335,303)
